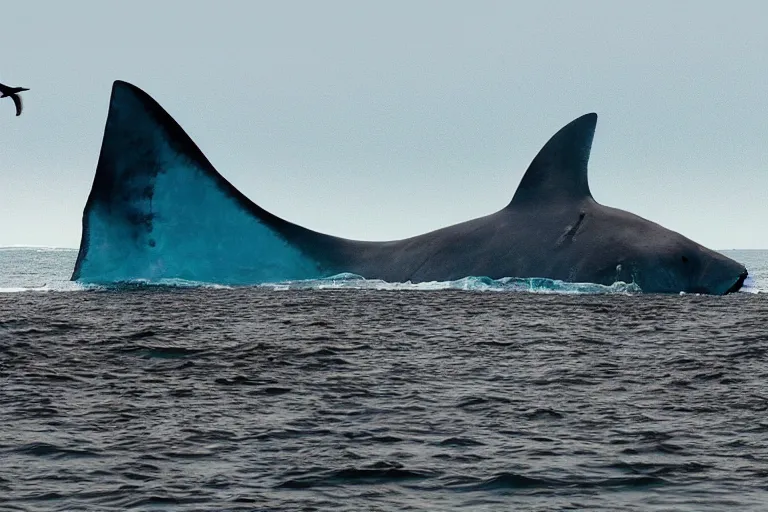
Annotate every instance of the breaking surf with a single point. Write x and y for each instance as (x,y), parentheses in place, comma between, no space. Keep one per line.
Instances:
(348,281)
(42,270)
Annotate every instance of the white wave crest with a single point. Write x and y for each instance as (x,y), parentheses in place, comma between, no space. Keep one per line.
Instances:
(62,286)
(356,282)
(506,284)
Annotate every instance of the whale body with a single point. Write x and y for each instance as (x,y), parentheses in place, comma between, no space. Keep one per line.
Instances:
(159,210)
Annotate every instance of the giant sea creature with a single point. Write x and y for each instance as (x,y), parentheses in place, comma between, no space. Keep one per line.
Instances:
(159,210)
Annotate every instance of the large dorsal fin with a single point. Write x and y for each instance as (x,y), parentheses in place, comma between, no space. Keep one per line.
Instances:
(559,171)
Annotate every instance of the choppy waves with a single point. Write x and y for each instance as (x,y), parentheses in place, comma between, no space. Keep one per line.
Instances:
(243,399)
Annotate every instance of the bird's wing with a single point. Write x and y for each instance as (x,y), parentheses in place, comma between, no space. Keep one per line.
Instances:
(17,101)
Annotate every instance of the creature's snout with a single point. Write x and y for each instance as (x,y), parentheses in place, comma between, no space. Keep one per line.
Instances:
(739,282)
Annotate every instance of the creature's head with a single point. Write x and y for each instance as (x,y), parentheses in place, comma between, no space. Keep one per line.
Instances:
(663,261)
(614,245)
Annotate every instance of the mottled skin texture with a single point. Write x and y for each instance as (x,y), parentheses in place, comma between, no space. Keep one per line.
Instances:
(552,228)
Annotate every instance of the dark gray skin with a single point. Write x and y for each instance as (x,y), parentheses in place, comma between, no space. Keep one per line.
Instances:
(552,228)
(576,242)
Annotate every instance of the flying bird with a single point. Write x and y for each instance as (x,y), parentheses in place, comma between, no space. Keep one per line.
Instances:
(13,93)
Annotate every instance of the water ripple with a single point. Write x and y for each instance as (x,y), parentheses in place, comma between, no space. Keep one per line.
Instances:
(249,399)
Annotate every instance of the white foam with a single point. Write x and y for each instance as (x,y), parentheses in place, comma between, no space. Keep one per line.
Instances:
(173,283)
(507,284)
(751,285)
(64,286)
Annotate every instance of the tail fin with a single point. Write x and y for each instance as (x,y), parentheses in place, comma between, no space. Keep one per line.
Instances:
(158,209)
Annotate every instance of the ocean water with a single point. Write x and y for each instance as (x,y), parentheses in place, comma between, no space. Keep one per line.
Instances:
(50,268)
(346,394)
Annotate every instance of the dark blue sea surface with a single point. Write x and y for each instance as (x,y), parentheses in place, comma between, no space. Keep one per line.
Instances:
(256,399)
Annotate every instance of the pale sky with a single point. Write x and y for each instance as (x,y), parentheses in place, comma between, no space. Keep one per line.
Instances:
(381,120)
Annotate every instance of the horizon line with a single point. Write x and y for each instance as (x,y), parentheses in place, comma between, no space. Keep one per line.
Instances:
(32,246)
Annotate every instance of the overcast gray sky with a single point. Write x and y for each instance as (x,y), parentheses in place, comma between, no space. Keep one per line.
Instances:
(388,119)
